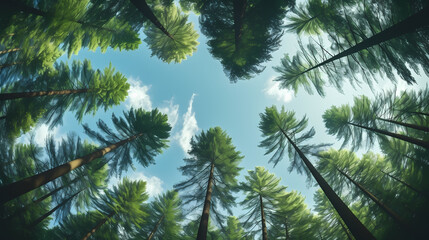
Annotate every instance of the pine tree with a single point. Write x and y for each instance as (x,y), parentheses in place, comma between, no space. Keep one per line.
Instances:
(213,159)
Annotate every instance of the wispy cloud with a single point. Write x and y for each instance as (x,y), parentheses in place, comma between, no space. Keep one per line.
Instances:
(172,111)
(190,127)
(137,95)
(273,90)
(153,183)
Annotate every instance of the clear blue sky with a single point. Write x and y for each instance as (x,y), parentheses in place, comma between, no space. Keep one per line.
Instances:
(217,102)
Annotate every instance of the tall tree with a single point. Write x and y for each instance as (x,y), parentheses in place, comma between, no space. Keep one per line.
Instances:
(280,130)
(213,159)
(350,122)
(140,134)
(242,34)
(262,191)
(78,88)
(234,230)
(366,43)
(165,216)
(122,206)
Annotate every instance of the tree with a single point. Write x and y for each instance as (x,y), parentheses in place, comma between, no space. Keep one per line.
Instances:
(190,231)
(214,159)
(280,130)
(165,216)
(244,34)
(80,89)
(349,123)
(74,227)
(366,42)
(122,206)
(234,230)
(183,39)
(140,134)
(262,191)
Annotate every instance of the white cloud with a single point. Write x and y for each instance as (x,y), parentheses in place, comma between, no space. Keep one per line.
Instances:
(40,133)
(172,111)
(153,184)
(273,90)
(190,127)
(138,96)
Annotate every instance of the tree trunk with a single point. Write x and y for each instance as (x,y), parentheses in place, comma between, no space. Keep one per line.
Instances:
(204,222)
(142,6)
(349,237)
(44,216)
(9,50)
(16,189)
(408,25)
(409,125)
(406,184)
(412,140)
(358,230)
(264,224)
(9,96)
(155,228)
(239,11)
(287,231)
(99,224)
(385,208)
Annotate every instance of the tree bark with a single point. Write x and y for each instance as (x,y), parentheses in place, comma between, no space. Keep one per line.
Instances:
(9,96)
(412,140)
(345,230)
(409,125)
(385,208)
(142,6)
(411,24)
(155,228)
(239,11)
(44,216)
(264,224)
(287,231)
(406,184)
(204,222)
(16,189)
(358,230)
(99,224)
(9,50)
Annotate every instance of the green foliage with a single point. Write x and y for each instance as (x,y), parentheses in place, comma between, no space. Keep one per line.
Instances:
(167,209)
(275,126)
(213,147)
(76,226)
(234,230)
(190,231)
(184,42)
(262,191)
(151,125)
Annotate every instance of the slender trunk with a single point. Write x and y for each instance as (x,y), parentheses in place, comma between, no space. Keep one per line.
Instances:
(99,224)
(9,50)
(385,208)
(16,189)
(412,140)
(9,96)
(406,184)
(409,125)
(264,224)
(287,231)
(411,24)
(142,6)
(239,11)
(44,216)
(19,211)
(155,228)
(204,222)
(349,237)
(6,65)
(358,230)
